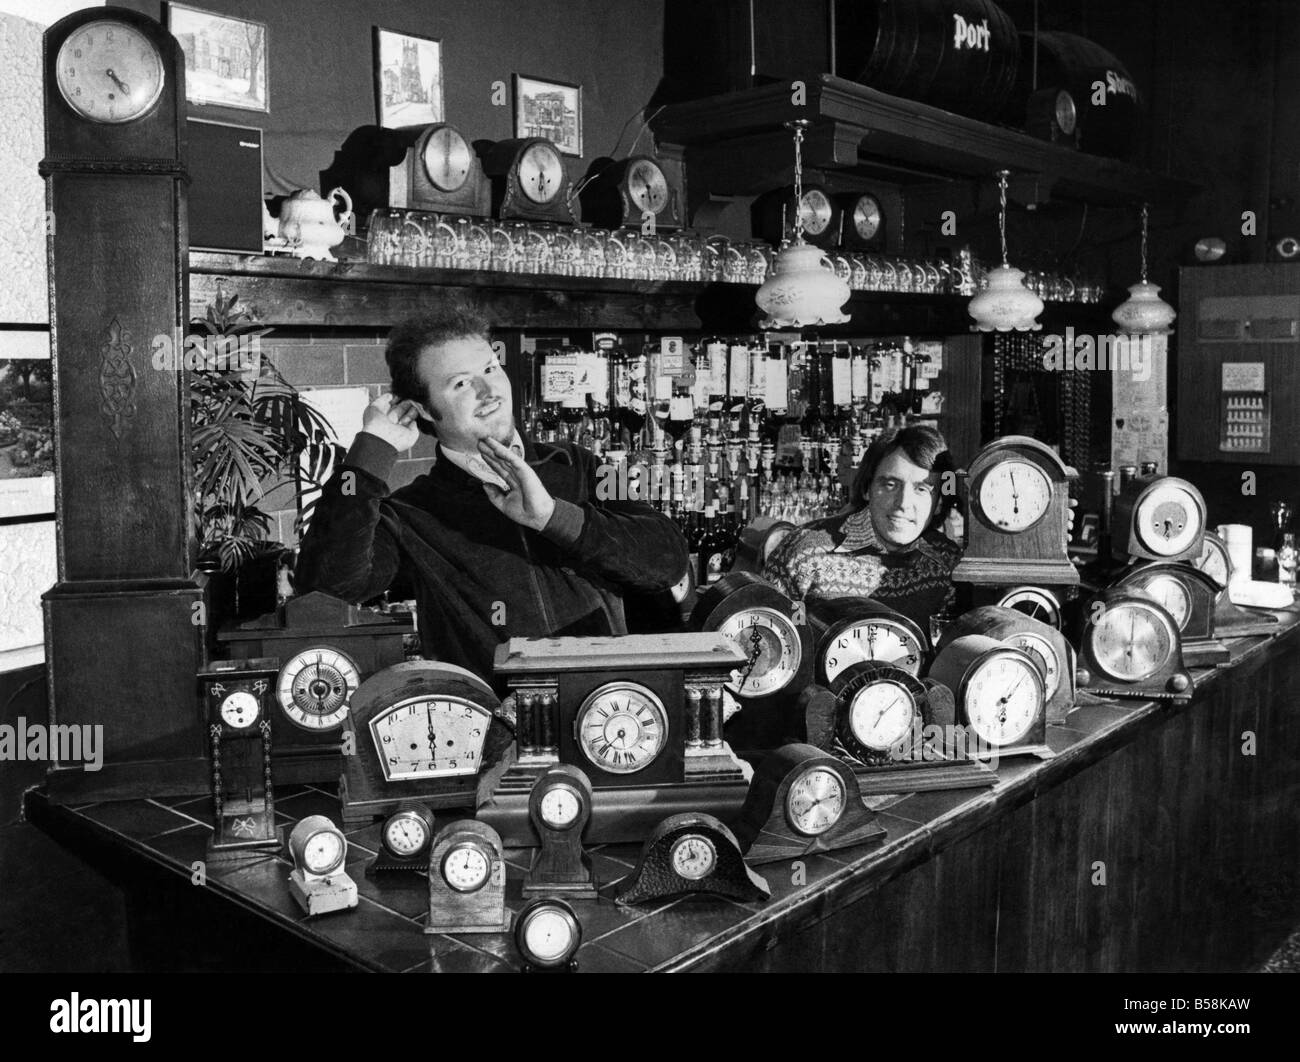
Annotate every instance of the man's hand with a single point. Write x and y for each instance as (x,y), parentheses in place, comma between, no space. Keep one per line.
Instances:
(527,502)
(394,422)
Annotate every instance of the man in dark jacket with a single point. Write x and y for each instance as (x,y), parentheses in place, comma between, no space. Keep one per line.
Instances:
(504,537)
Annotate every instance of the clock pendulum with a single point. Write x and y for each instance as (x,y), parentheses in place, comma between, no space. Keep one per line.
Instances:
(690,853)
(318,881)
(560,807)
(548,936)
(467,880)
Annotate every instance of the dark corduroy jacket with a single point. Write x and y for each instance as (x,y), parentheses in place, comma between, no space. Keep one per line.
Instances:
(479,577)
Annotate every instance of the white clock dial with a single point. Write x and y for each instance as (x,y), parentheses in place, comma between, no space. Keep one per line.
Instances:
(405,834)
(1167,519)
(447,159)
(881,641)
(240,710)
(866,217)
(815,210)
(315,687)
(1041,650)
(559,807)
(541,173)
(1014,495)
(1003,696)
(430,737)
(621,727)
(815,801)
(1214,560)
(466,867)
(110,72)
(1131,641)
(1172,595)
(548,935)
(771,643)
(647,186)
(323,851)
(881,714)
(693,856)
(1067,115)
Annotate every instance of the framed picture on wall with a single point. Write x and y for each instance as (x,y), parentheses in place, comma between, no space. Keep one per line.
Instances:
(552,109)
(26,430)
(225,58)
(408,79)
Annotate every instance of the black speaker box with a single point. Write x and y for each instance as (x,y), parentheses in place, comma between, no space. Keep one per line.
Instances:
(225,196)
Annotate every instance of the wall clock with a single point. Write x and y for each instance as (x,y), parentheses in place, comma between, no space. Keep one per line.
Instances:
(863,221)
(548,936)
(327,647)
(1158,518)
(634,193)
(560,808)
(1188,595)
(237,695)
(999,695)
(421,730)
(641,715)
(404,840)
(1017,495)
(528,180)
(803,800)
(467,880)
(853,630)
(1131,648)
(689,853)
(318,881)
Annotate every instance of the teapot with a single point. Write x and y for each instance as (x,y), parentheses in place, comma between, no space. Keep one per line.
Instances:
(308,223)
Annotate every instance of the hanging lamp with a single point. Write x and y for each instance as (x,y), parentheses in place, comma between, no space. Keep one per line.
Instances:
(1005,304)
(1144,311)
(802,289)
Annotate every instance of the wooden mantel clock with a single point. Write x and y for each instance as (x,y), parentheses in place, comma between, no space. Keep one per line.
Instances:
(124,624)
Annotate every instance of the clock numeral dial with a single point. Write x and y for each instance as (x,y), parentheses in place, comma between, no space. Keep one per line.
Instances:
(815,801)
(1003,696)
(429,737)
(693,856)
(881,715)
(621,727)
(1132,641)
(316,686)
(113,74)
(881,641)
(771,642)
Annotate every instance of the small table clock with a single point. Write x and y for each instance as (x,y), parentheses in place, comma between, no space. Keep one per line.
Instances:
(772,216)
(692,852)
(803,800)
(404,840)
(1188,595)
(1018,511)
(758,541)
(627,193)
(1230,620)
(1131,648)
(1036,602)
(237,695)
(864,221)
(467,880)
(318,881)
(528,181)
(1158,518)
(548,936)
(560,807)
(854,630)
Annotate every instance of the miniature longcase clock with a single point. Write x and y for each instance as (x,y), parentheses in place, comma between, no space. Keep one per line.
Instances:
(855,630)
(692,853)
(560,807)
(1131,647)
(1017,514)
(238,696)
(318,881)
(641,715)
(421,730)
(1158,518)
(634,192)
(467,880)
(1188,595)
(528,180)
(326,647)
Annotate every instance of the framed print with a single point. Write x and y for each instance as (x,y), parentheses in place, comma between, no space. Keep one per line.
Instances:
(408,79)
(26,438)
(225,58)
(551,109)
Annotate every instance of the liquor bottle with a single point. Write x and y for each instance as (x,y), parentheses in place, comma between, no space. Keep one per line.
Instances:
(1284,544)
(712,549)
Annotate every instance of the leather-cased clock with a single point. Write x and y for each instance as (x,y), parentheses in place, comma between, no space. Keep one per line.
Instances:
(631,193)
(1130,647)
(560,808)
(326,648)
(641,715)
(853,630)
(1158,518)
(528,180)
(692,852)
(1188,595)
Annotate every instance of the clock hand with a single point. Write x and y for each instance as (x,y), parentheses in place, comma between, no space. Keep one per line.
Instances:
(756,643)
(121,85)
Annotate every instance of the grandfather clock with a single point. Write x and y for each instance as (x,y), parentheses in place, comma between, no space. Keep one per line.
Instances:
(124,624)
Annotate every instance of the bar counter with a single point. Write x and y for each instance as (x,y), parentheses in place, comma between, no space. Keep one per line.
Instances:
(1159,838)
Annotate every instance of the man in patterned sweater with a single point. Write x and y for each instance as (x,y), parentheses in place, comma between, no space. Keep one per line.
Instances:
(891,546)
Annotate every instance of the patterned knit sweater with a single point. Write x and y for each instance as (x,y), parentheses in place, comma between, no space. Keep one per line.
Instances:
(842,556)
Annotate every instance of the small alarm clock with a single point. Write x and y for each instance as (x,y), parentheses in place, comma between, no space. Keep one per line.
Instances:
(404,840)
(692,852)
(1158,518)
(548,936)
(318,881)
(1188,594)
(467,880)
(1131,648)
(853,630)
(560,807)
(528,181)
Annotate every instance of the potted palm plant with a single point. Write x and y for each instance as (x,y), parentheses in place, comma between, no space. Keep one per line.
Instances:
(251,432)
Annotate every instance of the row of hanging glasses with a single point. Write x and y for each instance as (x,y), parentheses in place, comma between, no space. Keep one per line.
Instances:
(424,240)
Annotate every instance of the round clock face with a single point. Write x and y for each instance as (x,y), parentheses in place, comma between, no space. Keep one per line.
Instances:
(815,210)
(1067,115)
(647,186)
(866,217)
(240,710)
(1003,694)
(815,801)
(315,686)
(466,867)
(1014,495)
(559,807)
(541,173)
(1167,519)
(549,935)
(621,727)
(1213,560)
(1172,595)
(110,72)
(1041,650)
(1036,603)
(323,851)
(771,642)
(882,641)
(881,714)
(1132,640)
(447,158)
(405,834)
(693,856)
(430,737)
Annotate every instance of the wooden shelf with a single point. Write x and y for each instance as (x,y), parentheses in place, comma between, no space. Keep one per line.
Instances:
(738,144)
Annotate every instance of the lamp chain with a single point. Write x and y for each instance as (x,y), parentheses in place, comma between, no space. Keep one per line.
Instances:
(1145,211)
(798,180)
(1002,212)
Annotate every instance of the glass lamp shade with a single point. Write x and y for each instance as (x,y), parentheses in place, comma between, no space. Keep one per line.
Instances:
(1144,311)
(1006,305)
(802,290)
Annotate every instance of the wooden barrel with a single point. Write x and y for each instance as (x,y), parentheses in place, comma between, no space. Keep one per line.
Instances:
(960,55)
(1088,72)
